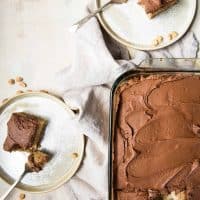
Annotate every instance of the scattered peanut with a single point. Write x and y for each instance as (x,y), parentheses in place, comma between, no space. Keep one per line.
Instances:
(23,84)
(172,35)
(155,42)
(160,39)
(22,196)
(11,81)
(74,155)
(19,79)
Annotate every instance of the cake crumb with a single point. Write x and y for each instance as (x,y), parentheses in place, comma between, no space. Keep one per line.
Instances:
(23,84)
(74,155)
(22,196)
(37,160)
(11,81)
(19,79)
(29,90)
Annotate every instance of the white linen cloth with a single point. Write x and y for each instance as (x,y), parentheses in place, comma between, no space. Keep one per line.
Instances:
(86,87)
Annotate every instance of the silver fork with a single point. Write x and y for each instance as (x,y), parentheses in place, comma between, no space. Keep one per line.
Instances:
(25,171)
(78,24)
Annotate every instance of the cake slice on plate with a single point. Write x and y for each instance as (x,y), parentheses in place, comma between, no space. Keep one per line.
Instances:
(155,7)
(25,132)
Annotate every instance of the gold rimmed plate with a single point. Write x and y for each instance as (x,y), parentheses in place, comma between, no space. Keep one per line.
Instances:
(60,138)
(128,23)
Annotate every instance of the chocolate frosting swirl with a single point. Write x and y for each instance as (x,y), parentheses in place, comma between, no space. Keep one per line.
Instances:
(157,141)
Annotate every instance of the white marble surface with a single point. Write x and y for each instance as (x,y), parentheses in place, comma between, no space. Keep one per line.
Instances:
(34,41)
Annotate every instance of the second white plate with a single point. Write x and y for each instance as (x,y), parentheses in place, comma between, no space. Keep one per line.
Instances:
(129,24)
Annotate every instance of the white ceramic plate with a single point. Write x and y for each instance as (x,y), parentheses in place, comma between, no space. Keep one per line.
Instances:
(59,139)
(129,24)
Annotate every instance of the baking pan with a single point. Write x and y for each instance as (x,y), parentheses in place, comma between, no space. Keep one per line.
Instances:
(147,67)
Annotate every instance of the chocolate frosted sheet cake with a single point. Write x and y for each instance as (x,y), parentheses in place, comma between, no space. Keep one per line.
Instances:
(155,7)
(157,138)
(24,132)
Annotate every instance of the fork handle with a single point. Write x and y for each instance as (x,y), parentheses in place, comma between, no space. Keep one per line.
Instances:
(85,19)
(13,186)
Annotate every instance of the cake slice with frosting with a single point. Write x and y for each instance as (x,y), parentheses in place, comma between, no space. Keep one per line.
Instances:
(25,132)
(155,7)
